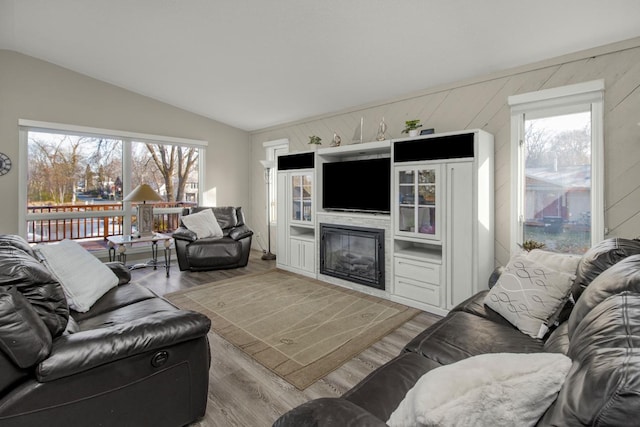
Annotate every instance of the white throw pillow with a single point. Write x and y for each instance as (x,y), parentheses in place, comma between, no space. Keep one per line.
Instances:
(565,263)
(529,294)
(83,277)
(203,223)
(496,389)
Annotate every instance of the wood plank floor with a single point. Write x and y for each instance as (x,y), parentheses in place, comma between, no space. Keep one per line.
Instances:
(244,393)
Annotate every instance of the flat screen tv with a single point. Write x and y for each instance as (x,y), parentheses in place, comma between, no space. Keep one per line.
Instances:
(357,185)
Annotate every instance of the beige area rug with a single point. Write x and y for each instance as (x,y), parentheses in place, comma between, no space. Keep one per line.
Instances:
(299,328)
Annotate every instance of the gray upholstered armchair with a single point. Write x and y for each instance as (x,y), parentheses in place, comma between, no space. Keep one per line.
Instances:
(213,253)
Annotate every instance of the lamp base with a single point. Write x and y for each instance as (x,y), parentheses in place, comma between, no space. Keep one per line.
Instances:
(268,256)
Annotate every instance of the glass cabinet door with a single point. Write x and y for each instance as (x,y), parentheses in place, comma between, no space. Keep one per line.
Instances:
(301,197)
(418,201)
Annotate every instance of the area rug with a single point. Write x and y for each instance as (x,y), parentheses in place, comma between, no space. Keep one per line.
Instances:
(300,328)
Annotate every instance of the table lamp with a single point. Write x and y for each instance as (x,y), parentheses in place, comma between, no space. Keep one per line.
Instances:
(142,194)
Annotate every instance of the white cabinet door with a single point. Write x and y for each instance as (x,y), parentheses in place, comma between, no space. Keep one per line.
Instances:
(282,230)
(301,254)
(309,256)
(301,198)
(419,202)
(459,232)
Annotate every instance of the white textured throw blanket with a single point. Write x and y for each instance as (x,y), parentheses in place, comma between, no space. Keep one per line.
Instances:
(499,389)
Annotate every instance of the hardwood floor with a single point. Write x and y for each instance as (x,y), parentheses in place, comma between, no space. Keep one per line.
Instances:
(244,393)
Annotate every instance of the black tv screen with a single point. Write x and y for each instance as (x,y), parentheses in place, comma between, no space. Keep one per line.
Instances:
(357,185)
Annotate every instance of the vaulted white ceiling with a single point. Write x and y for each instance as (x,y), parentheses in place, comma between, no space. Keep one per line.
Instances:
(257,63)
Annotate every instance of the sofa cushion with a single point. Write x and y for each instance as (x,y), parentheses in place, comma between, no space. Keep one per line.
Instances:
(623,276)
(37,285)
(327,412)
(460,335)
(603,386)
(475,305)
(225,215)
(125,314)
(600,257)
(84,280)
(531,292)
(382,390)
(117,297)
(203,223)
(558,340)
(17,242)
(23,335)
(489,389)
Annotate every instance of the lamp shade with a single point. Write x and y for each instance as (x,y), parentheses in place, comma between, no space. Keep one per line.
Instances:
(143,193)
(268,164)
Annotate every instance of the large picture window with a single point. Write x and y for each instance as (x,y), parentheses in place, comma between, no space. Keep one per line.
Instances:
(557,188)
(76,180)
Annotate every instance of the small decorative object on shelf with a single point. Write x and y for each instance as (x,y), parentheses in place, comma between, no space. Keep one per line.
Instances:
(336,140)
(429,131)
(382,128)
(411,127)
(357,135)
(315,140)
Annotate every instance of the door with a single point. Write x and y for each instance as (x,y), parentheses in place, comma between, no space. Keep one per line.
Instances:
(459,234)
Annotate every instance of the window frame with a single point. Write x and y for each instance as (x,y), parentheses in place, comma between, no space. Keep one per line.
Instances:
(26,126)
(549,103)
(273,149)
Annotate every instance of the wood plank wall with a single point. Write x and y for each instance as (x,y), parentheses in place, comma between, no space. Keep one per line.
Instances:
(482,103)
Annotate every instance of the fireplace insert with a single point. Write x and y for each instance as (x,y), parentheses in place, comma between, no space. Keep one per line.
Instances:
(353,253)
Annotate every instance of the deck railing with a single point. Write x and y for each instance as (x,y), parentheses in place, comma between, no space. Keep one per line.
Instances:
(85,221)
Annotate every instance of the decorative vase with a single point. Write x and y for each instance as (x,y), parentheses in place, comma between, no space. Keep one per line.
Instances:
(414,132)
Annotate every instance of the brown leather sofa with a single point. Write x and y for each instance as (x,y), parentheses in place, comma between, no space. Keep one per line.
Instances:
(601,335)
(132,359)
(210,253)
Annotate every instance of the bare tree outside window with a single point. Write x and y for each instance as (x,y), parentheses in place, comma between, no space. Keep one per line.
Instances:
(73,173)
(168,169)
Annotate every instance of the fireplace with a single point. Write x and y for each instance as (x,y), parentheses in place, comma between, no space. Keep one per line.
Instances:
(353,253)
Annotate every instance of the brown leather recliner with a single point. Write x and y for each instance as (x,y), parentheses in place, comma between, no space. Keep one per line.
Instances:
(211,253)
(132,359)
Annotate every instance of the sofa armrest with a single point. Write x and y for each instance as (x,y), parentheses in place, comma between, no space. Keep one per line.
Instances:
(326,412)
(120,270)
(183,233)
(240,232)
(74,353)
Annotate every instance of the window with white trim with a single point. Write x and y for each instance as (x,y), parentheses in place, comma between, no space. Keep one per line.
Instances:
(75,179)
(557,187)
(274,149)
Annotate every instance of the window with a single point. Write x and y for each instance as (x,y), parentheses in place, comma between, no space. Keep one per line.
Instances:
(76,178)
(273,150)
(557,167)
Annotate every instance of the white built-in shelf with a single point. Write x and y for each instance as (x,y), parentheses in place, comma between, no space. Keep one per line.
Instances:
(419,254)
(365,148)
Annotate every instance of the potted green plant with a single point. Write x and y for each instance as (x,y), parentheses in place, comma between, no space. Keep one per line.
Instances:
(529,245)
(411,127)
(313,139)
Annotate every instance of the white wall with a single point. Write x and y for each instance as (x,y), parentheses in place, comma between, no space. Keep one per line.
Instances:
(482,103)
(37,90)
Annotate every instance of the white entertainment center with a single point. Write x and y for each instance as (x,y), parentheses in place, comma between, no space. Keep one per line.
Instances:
(438,230)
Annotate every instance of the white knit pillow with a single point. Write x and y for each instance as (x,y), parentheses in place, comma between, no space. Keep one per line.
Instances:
(83,277)
(203,223)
